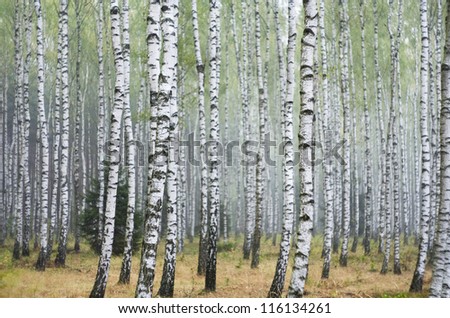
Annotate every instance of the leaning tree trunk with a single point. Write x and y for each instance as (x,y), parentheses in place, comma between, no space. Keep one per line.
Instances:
(214,199)
(287,86)
(98,291)
(130,148)
(417,281)
(442,246)
(158,177)
(306,144)
(64,160)
(44,168)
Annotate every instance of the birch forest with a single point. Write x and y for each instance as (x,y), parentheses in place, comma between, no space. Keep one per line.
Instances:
(224,148)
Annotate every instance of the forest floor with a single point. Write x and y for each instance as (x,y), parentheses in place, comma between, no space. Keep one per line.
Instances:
(361,278)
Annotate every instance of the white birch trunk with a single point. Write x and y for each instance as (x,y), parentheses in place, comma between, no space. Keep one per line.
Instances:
(346,148)
(64,159)
(287,88)
(328,231)
(260,165)
(101,140)
(442,245)
(168,276)
(25,147)
(306,142)
(44,167)
(214,194)
(157,180)
(98,291)
(203,241)
(130,149)
(417,281)
(56,145)
(18,100)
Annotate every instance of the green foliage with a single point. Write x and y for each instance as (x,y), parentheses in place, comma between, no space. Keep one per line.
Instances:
(89,221)
(226,246)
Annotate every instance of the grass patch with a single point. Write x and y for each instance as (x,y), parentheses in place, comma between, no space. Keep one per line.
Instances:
(235,278)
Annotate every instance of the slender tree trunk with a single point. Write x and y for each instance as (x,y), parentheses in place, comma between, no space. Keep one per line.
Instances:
(260,166)
(328,230)
(98,291)
(203,241)
(101,140)
(170,259)
(56,146)
(417,281)
(60,260)
(243,95)
(25,147)
(44,167)
(306,143)
(214,199)
(442,245)
(379,108)
(346,148)
(249,200)
(78,148)
(18,100)
(130,148)
(3,177)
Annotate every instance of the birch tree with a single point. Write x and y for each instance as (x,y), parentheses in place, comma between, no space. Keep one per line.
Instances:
(306,142)
(441,245)
(417,281)
(25,132)
(64,159)
(201,268)
(214,194)
(328,231)
(101,122)
(158,177)
(260,167)
(130,150)
(287,86)
(42,259)
(346,148)
(18,99)
(98,291)
(170,256)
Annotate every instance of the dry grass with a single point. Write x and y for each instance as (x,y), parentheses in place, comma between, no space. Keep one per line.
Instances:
(235,278)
